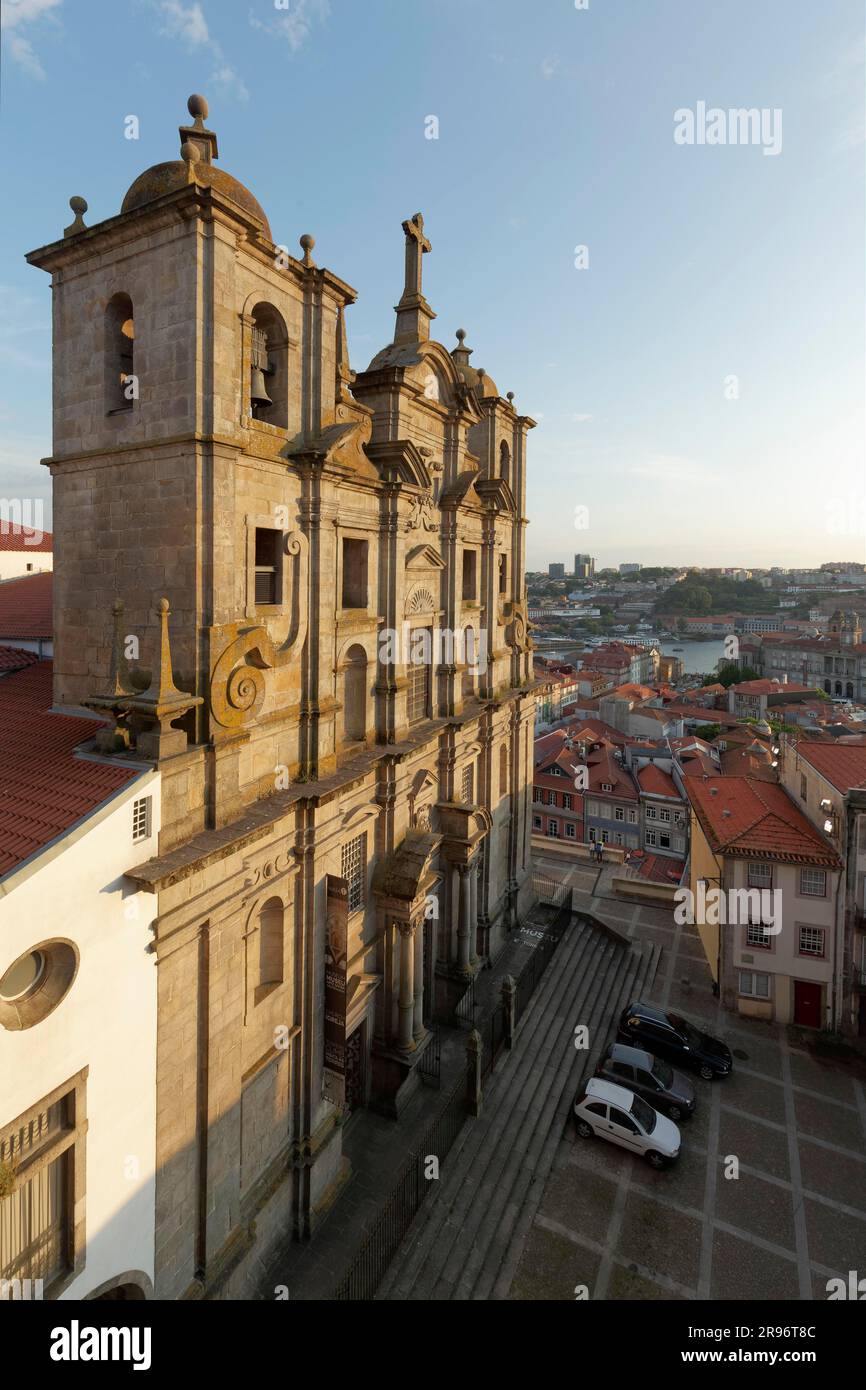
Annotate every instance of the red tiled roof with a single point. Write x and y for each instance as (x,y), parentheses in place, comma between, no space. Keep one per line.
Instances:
(763,821)
(657,868)
(17,538)
(765,686)
(842,763)
(655,781)
(26,606)
(13,658)
(44,788)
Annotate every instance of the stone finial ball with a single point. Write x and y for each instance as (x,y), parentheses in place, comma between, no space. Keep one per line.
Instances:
(461,335)
(510,396)
(78,205)
(197,106)
(307,242)
(162,606)
(188,152)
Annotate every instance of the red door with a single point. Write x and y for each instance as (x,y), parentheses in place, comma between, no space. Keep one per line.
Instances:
(807,1004)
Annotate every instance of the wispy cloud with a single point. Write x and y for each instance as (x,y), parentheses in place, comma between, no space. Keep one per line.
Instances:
(580,419)
(549,67)
(669,468)
(188,24)
(297,23)
(14,17)
(844,80)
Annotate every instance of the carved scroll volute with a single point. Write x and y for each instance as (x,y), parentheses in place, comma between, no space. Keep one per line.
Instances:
(238,686)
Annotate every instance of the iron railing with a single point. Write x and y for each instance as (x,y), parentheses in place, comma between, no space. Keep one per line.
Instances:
(385,1236)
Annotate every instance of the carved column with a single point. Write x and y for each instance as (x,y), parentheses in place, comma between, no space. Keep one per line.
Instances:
(418,1029)
(406,1000)
(473,911)
(464,927)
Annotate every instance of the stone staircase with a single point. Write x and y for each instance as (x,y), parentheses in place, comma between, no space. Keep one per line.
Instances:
(466,1241)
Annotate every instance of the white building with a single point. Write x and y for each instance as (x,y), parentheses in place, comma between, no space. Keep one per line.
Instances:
(77,1007)
(24,551)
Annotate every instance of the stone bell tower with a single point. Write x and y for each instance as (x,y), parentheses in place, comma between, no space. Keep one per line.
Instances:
(192,355)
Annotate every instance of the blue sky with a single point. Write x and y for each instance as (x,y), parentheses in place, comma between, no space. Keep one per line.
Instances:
(556,128)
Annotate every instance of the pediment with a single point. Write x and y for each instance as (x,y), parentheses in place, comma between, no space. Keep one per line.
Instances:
(497,493)
(424,557)
(400,461)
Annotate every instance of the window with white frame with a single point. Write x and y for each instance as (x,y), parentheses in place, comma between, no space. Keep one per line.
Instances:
(569,830)
(551,798)
(141,819)
(649,837)
(760,875)
(757,935)
(538,795)
(566,801)
(536,822)
(813,883)
(650,812)
(605,836)
(354,870)
(664,814)
(607,786)
(632,817)
(811,941)
(754,985)
(664,840)
(619,813)
(553,829)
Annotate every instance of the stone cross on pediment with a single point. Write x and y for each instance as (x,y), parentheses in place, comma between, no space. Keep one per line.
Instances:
(416,247)
(413,311)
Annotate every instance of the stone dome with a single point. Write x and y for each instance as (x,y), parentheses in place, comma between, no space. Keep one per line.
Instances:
(198,150)
(169,177)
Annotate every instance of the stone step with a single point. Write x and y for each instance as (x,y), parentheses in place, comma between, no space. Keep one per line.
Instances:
(426,1233)
(504,1257)
(513,1105)
(519,1108)
(523,1166)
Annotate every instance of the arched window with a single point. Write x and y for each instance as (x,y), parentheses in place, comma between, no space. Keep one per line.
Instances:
(121,385)
(270,971)
(827,687)
(503,770)
(355,694)
(849,690)
(838,687)
(504,462)
(269,378)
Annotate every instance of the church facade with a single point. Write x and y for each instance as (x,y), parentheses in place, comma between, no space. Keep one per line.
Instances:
(298,592)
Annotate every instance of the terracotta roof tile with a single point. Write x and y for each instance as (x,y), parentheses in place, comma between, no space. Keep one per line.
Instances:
(843,764)
(20,538)
(26,606)
(44,788)
(655,781)
(745,817)
(14,658)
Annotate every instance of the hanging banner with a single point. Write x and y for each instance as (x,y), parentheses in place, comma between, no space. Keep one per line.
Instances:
(336,956)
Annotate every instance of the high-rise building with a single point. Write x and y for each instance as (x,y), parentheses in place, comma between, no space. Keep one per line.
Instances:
(556,571)
(298,593)
(584,567)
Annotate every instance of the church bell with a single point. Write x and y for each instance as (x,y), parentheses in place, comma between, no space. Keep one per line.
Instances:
(259,365)
(258,390)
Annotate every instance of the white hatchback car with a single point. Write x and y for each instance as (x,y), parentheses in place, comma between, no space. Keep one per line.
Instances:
(619,1115)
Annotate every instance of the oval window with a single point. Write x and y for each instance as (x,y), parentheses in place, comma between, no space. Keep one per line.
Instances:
(35,983)
(23,976)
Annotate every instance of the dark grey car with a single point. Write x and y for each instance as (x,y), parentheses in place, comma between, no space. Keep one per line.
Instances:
(651,1078)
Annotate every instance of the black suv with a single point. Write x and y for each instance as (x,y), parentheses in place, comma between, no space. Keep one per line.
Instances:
(650,1078)
(671,1036)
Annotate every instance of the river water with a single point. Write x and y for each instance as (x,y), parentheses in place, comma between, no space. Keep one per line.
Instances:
(697,657)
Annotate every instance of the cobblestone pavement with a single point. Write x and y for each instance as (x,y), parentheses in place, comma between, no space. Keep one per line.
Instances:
(793,1218)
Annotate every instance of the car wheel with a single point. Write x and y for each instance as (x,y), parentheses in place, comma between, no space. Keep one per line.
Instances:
(655,1159)
(706,1073)
(675,1113)
(584,1129)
